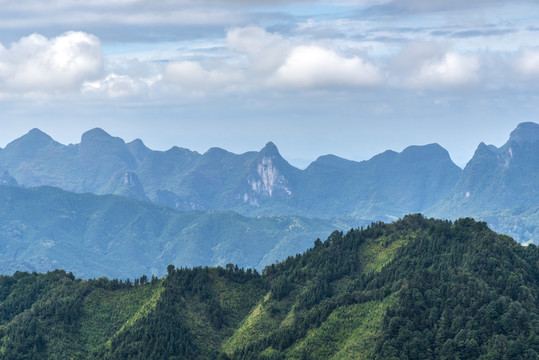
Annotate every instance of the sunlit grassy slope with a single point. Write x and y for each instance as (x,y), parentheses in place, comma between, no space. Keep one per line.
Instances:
(417,288)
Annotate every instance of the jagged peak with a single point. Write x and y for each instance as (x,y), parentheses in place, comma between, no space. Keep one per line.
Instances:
(525,132)
(270,148)
(483,148)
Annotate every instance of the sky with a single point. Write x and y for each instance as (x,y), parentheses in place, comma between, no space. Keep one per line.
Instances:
(346,77)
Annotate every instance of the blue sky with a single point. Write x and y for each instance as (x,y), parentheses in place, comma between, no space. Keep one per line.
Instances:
(347,77)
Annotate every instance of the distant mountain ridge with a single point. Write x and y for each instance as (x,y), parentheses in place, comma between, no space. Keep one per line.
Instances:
(499,185)
(45,228)
(254,183)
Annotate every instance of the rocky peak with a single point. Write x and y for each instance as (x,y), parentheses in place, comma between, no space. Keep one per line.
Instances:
(525,132)
(270,150)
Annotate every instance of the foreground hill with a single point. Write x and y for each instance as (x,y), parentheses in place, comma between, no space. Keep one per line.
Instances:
(254,183)
(45,228)
(416,289)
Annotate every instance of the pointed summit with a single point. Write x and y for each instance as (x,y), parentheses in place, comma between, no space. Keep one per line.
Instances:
(138,149)
(525,132)
(33,140)
(270,150)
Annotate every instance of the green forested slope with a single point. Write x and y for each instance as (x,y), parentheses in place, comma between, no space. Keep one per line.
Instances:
(414,289)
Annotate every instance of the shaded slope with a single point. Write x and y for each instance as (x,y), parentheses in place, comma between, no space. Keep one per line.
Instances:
(46,228)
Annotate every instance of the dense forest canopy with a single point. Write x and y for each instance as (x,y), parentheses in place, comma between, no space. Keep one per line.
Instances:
(414,289)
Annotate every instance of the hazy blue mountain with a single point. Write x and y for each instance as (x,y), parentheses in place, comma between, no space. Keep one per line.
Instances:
(35,159)
(7,179)
(138,149)
(46,228)
(499,178)
(500,185)
(390,184)
(254,183)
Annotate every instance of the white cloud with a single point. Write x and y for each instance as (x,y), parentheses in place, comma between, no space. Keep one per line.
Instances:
(117,86)
(37,64)
(452,70)
(316,67)
(266,51)
(433,65)
(192,77)
(527,62)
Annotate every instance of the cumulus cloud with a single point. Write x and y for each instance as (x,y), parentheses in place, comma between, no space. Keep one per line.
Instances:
(527,62)
(263,59)
(452,70)
(433,65)
(316,67)
(191,76)
(118,86)
(38,64)
(266,51)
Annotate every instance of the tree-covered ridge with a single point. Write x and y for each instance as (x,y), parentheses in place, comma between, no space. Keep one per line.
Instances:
(414,289)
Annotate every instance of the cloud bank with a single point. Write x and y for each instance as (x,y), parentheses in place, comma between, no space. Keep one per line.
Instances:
(252,58)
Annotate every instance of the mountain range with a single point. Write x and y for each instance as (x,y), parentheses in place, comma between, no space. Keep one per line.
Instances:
(498,184)
(180,207)
(254,183)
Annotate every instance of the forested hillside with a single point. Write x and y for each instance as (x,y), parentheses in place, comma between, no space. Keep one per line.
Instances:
(45,228)
(414,289)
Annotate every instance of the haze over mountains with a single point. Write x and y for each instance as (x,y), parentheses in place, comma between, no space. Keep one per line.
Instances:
(254,183)
(45,228)
(128,236)
(390,184)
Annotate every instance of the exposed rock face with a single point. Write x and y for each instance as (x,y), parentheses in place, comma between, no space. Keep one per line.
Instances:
(130,186)
(269,179)
(7,179)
